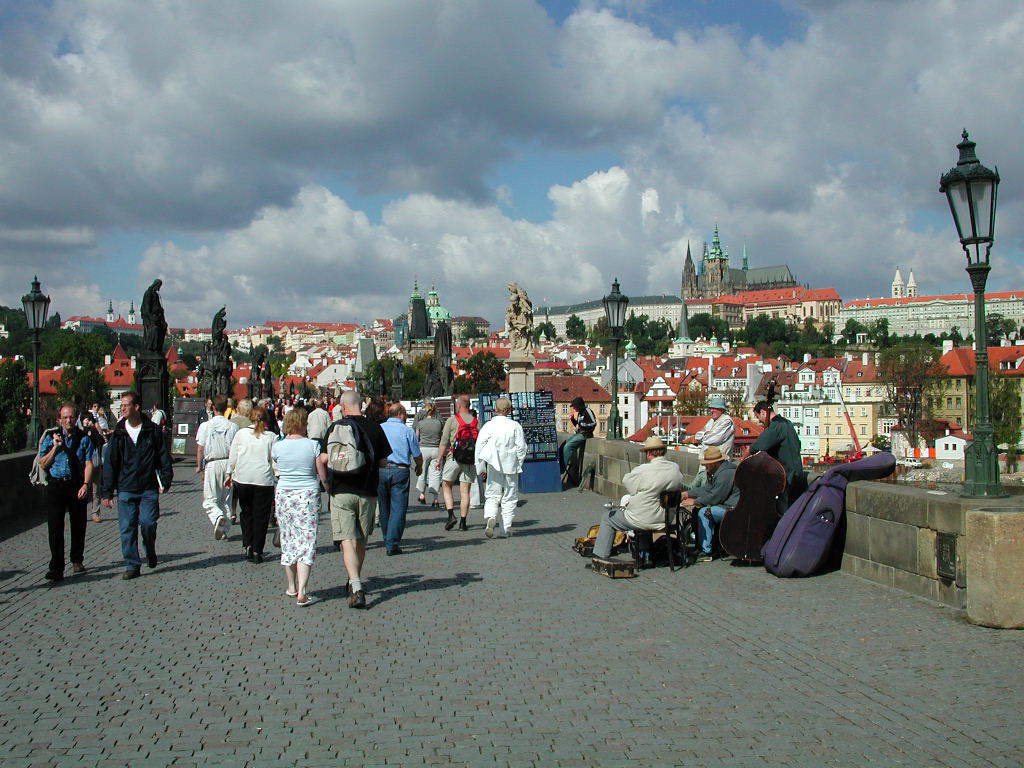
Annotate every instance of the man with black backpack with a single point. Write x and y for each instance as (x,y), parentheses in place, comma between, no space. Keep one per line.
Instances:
(456,457)
(356,449)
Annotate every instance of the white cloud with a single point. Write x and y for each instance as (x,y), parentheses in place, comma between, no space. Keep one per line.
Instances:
(227,119)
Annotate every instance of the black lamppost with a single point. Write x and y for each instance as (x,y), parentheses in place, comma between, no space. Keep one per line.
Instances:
(971,190)
(36,305)
(615,313)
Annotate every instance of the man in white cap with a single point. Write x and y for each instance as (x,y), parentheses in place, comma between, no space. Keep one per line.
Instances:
(719,431)
(643,510)
(714,498)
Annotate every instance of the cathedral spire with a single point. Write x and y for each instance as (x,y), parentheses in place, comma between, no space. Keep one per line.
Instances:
(897,285)
(746,264)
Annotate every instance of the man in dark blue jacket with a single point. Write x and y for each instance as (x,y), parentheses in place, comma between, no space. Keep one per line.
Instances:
(138,468)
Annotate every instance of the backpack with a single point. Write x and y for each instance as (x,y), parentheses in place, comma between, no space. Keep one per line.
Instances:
(464,447)
(217,442)
(349,453)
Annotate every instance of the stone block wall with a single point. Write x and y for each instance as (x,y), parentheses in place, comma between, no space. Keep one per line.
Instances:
(15,490)
(610,460)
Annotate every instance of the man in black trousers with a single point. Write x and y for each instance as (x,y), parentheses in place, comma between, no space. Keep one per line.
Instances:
(66,454)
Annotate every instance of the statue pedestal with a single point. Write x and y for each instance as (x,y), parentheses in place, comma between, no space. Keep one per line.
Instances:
(520,372)
(153,382)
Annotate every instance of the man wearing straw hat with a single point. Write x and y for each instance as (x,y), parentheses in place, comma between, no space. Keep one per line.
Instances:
(714,498)
(643,510)
(719,431)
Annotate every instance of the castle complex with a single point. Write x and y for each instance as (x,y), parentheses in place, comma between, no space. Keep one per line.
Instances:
(715,278)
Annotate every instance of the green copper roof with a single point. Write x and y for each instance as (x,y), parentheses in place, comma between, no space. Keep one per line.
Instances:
(438,313)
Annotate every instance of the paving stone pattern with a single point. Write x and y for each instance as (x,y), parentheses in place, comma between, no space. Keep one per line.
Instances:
(483,653)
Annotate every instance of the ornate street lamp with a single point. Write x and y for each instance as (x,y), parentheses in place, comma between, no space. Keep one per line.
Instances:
(615,313)
(971,190)
(36,305)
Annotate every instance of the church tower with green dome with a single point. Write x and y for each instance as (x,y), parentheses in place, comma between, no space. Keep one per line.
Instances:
(435,312)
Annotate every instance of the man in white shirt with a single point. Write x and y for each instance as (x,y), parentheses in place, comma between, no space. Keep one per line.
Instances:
(500,451)
(213,445)
(318,421)
(719,431)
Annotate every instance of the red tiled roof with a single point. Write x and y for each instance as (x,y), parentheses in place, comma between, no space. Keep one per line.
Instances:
(959,361)
(119,353)
(567,388)
(48,379)
(313,326)
(745,431)
(784,296)
(920,299)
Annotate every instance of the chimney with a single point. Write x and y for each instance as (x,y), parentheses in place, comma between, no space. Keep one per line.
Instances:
(864,358)
(133,361)
(106,360)
(849,357)
(1004,342)
(947,346)
(807,357)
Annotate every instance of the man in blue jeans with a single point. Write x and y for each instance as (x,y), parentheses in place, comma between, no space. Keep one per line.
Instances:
(138,468)
(712,499)
(393,486)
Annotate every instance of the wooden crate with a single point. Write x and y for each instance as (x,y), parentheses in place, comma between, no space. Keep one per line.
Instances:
(614,569)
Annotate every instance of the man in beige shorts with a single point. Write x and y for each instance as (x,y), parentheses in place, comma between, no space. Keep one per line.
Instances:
(353,506)
(453,471)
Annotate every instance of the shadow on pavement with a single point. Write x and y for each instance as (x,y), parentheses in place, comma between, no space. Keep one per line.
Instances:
(400,585)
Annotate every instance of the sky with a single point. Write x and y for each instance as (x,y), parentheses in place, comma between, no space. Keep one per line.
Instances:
(306,161)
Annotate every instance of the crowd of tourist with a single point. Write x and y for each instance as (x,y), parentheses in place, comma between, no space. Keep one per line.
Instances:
(267,465)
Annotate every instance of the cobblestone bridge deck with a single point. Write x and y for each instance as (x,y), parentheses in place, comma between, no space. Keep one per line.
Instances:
(483,653)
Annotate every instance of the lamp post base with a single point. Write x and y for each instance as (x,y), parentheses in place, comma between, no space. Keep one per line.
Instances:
(981,471)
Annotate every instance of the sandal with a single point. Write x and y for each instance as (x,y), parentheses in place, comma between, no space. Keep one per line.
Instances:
(291,594)
(422,500)
(308,601)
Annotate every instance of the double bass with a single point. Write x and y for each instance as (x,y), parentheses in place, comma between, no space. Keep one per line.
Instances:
(747,526)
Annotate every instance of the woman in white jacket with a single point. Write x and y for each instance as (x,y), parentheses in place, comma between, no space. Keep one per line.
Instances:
(500,451)
(251,474)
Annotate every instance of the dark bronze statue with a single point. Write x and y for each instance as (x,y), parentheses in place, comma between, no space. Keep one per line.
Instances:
(439,381)
(154,324)
(259,359)
(216,369)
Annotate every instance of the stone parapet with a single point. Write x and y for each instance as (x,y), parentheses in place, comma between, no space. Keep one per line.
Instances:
(15,490)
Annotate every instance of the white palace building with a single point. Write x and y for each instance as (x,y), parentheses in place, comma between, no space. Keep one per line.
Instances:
(909,313)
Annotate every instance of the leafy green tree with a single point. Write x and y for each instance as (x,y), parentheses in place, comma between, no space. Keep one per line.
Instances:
(15,397)
(1005,408)
(575,328)
(911,377)
(878,332)
(736,403)
(547,328)
(704,325)
(484,373)
(274,343)
(63,347)
(881,442)
(414,375)
(471,331)
(84,385)
(691,401)
(599,335)
(851,329)
(996,327)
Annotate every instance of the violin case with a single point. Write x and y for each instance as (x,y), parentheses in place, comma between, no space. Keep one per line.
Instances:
(803,539)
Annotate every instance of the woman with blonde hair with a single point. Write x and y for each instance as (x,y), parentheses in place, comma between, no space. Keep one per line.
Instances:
(301,468)
(251,474)
(428,430)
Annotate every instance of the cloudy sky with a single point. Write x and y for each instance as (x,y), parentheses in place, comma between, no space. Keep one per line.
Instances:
(304,160)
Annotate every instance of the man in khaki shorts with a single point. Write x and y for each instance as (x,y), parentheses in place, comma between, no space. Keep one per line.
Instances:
(353,506)
(451,470)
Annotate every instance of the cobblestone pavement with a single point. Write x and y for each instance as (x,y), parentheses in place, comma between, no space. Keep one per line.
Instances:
(483,653)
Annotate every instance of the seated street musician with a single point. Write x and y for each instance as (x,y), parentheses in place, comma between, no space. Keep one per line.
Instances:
(712,499)
(643,510)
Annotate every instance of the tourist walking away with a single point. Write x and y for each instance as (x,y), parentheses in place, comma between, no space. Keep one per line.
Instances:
(137,468)
(456,456)
(393,486)
(300,467)
(242,417)
(213,443)
(356,449)
(780,441)
(584,421)
(428,430)
(318,420)
(66,455)
(500,451)
(250,476)
(641,510)
(712,499)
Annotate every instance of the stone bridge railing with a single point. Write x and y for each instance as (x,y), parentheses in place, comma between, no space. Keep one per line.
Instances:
(966,553)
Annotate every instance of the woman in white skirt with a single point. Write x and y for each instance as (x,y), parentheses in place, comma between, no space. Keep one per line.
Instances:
(301,468)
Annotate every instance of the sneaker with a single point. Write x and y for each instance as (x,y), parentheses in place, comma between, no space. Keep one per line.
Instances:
(78,568)
(394,551)
(220,529)
(53,578)
(704,557)
(489,530)
(452,520)
(130,574)
(357,599)
(508,532)
(462,524)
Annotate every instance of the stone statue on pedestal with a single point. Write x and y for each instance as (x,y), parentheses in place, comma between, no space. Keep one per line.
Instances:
(519,319)
(217,365)
(439,381)
(259,359)
(152,378)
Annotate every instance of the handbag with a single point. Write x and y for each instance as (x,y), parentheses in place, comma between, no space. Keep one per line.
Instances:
(38,476)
